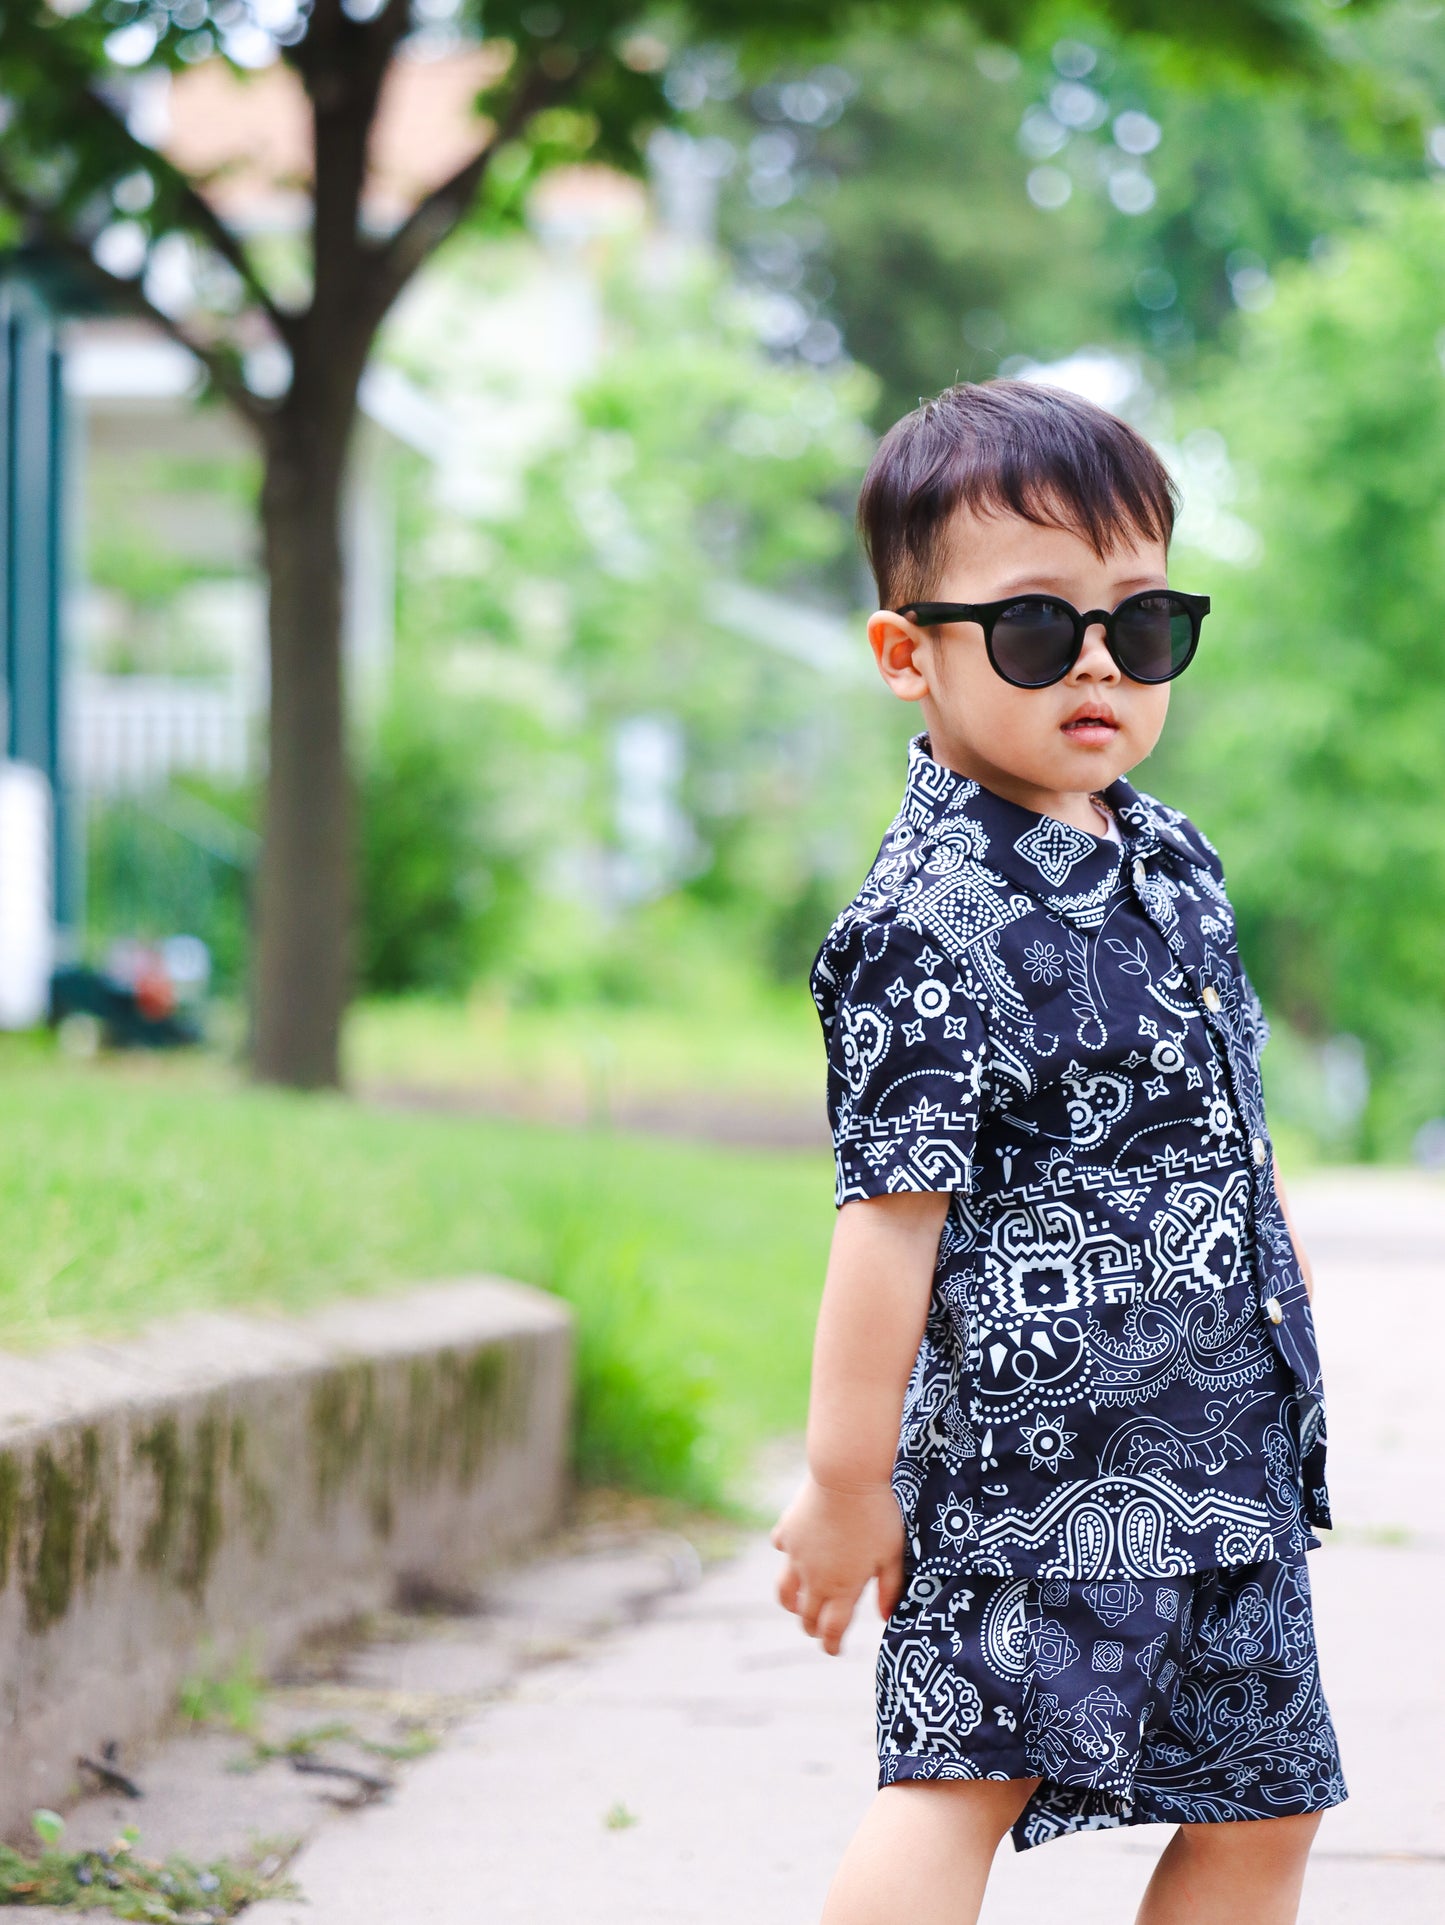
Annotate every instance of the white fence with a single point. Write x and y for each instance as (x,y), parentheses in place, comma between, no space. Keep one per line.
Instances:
(133,732)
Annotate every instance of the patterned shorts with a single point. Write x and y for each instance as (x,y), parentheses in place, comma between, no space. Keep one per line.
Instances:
(1137,1701)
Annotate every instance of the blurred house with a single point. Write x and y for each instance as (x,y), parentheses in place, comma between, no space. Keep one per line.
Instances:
(169,651)
(169,657)
(168,662)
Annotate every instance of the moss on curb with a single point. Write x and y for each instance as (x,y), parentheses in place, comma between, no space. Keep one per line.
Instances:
(65,1528)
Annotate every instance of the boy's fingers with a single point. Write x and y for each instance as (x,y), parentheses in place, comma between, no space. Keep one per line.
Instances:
(890,1586)
(833,1620)
(788,1586)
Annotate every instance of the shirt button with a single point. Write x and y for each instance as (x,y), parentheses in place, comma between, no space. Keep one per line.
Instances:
(1140,872)
(1272,1310)
(1210,996)
(1259,1149)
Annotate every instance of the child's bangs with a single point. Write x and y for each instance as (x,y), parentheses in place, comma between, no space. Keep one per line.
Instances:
(1104,510)
(999,448)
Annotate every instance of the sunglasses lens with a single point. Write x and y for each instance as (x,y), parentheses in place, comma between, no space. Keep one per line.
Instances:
(1153,637)
(1033,642)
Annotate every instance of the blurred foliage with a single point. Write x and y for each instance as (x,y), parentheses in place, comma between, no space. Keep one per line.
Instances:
(108,220)
(1308,735)
(598,615)
(176,862)
(643,1410)
(589,77)
(443,873)
(121,1880)
(748,1043)
(904,208)
(952,206)
(138,565)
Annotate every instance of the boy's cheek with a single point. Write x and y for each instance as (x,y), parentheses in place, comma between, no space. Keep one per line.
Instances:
(1151,707)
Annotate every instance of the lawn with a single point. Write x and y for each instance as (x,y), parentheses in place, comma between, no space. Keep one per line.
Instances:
(746,1049)
(135,1189)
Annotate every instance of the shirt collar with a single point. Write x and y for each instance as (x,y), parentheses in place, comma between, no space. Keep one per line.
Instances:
(1048,858)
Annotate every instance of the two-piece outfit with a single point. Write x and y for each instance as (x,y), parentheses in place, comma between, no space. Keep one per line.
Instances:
(1112,1446)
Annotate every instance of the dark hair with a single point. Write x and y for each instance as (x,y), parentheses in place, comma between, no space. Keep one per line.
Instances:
(1009,446)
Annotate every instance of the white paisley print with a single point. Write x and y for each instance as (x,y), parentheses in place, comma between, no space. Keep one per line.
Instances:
(1118,1378)
(1184,1700)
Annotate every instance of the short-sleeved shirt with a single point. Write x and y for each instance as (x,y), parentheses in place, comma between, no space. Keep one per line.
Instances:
(1118,1375)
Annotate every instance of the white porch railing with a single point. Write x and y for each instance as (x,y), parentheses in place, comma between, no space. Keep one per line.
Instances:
(133,732)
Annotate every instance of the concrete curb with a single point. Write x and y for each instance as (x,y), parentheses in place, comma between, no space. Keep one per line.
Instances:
(224,1484)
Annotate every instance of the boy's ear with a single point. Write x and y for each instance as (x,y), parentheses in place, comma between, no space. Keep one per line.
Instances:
(895,642)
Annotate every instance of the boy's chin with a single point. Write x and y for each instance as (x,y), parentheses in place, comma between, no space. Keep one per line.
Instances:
(1091,768)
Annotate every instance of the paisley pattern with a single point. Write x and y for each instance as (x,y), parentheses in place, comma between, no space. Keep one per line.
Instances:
(1118,1377)
(1185,1700)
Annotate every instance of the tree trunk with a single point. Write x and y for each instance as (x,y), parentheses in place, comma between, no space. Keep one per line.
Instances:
(303,903)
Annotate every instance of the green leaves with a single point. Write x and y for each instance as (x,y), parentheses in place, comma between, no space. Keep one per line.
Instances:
(48,1826)
(1308,733)
(591,80)
(691,462)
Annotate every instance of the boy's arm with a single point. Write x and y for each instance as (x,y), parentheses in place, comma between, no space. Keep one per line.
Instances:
(844,1526)
(1299,1249)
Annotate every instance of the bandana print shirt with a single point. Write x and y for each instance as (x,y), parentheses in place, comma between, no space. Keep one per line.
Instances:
(1118,1376)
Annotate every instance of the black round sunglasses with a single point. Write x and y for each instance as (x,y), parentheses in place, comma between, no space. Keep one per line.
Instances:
(1033,640)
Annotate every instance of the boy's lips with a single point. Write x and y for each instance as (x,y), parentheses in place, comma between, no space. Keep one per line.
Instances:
(1093,724)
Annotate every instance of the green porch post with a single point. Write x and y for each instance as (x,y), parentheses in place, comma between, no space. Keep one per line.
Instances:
(32,483)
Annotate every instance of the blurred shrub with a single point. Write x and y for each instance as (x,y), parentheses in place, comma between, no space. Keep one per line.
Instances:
(899,130)
(1307,736)
(642,1412)
(443,872)
(175,862)
(598,609)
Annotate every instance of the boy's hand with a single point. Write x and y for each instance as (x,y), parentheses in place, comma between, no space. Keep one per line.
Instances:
(834,1541)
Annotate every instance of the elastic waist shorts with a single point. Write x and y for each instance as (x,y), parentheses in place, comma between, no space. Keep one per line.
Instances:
(1181,1700)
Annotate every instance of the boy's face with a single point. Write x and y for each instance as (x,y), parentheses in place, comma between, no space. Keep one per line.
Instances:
(1026,743)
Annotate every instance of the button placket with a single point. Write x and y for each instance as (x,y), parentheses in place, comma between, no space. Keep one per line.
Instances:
(1213,1003)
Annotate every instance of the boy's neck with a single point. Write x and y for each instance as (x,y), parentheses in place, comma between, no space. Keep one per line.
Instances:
(1074,806)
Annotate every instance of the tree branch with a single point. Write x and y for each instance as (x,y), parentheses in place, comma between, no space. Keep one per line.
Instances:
(440,212)
(201,214)
(332,38)
(131,295)
(385,29)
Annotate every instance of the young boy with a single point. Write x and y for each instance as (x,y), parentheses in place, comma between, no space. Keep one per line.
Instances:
(1066,1402)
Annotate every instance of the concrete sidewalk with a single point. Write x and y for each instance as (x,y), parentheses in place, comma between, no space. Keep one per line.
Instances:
(708,1765)
(733,1761)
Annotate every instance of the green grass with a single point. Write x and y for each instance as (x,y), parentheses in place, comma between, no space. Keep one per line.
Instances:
(736,1043)
(137,1189)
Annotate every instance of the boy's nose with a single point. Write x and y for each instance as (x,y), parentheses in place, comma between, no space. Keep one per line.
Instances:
(1094,656)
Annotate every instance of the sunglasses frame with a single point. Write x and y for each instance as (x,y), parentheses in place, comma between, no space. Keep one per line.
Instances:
(986,614)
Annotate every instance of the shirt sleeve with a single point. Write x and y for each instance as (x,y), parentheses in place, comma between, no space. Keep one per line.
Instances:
(905,1064)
